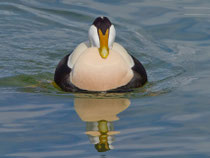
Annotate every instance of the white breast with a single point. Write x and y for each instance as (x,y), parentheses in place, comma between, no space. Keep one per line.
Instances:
(91,72)
(122,51)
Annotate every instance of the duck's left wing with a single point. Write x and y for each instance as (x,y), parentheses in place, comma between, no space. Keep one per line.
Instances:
(62,75)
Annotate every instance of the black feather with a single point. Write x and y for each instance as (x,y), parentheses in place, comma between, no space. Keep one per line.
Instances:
(102,23)
(62,76)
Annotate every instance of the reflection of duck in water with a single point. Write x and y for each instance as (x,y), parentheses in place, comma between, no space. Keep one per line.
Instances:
(99,115)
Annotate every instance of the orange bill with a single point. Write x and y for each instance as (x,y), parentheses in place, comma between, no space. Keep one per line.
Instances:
(104,49)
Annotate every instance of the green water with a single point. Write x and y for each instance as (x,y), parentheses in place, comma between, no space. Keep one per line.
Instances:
(168,117)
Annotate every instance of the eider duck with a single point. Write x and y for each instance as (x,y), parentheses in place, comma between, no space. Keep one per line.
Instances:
(100,64)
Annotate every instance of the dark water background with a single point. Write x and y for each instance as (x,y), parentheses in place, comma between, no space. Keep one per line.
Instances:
(169,117)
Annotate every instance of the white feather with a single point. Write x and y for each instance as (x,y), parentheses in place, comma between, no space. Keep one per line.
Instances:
(93,37)
(112,34)
(76,53)
(121,50)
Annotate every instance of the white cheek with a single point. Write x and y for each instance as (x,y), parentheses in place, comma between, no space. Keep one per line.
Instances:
(112,34)
(93,37)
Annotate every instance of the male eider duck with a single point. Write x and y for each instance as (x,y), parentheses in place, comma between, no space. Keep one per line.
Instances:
(100,64)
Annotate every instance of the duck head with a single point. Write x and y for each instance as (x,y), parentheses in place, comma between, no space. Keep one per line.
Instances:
(102,35)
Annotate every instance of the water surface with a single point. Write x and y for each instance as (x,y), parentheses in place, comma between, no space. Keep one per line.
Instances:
(166,118)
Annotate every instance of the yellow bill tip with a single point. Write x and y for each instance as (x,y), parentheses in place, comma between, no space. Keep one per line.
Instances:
(104,52)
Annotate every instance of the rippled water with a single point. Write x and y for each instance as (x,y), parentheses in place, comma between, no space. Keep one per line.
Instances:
(169,117)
